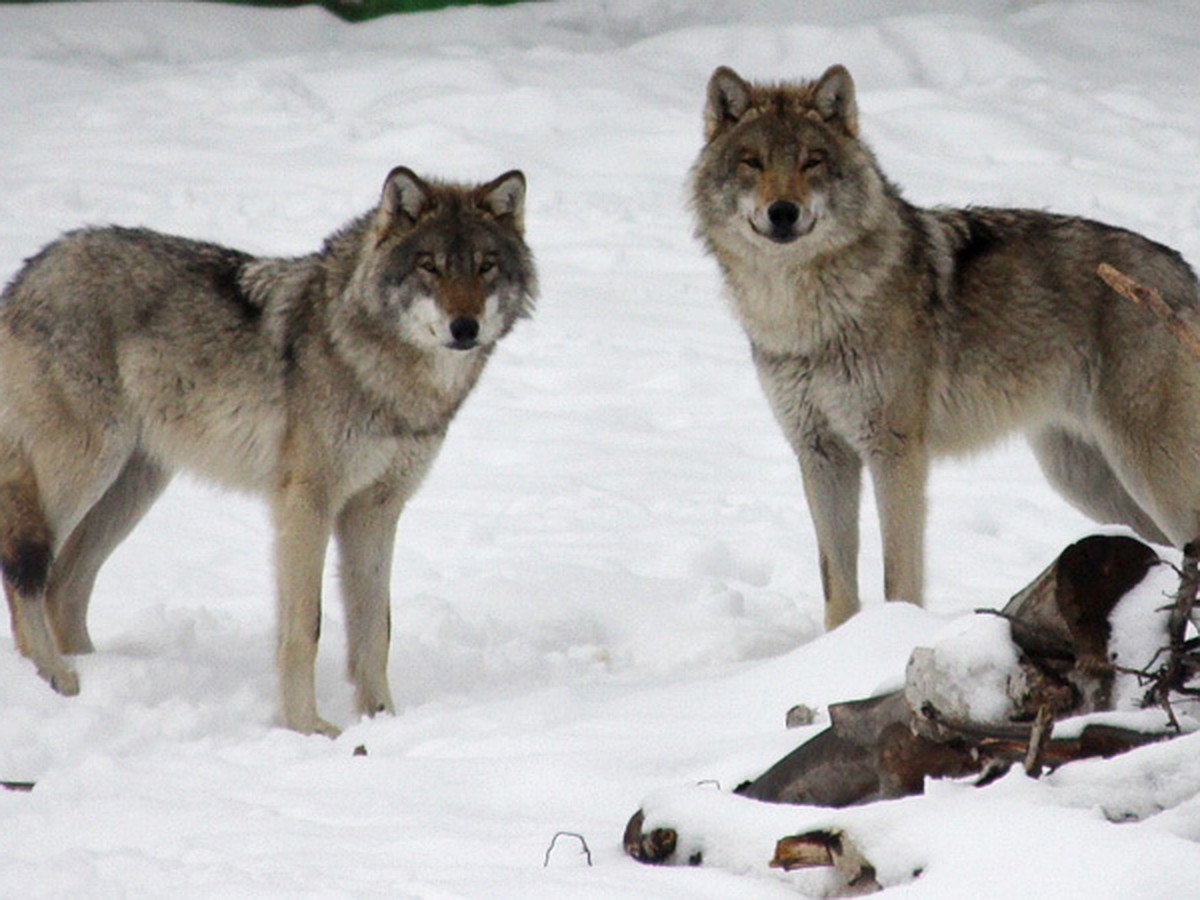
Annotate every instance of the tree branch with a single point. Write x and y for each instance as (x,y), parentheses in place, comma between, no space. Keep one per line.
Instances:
(1148,297)
(1181,663)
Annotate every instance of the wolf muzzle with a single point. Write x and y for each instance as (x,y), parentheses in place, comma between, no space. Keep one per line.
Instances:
(788,221)
(464,333)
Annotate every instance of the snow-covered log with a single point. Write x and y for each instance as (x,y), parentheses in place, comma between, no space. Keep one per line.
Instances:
(984,696)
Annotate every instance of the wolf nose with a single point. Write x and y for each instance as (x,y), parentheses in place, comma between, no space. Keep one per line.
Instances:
(784,214)
(464,330)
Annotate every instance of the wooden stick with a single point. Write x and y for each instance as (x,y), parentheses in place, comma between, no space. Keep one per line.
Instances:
(827,848)
(1035,755)
(1169,312)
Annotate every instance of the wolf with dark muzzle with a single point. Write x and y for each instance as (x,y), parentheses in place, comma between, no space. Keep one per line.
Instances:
(325,383)
(885,334)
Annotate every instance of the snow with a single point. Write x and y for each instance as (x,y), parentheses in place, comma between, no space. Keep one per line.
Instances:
(606,592)
(966,671)
(1139,631)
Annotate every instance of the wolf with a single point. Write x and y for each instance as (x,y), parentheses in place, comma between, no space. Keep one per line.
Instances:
(324,383)
(885,334)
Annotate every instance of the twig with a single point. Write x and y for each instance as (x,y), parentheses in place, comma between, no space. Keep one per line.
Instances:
(1154,301)
(1042,726)
(1180,666)
(23,786)
(587,851)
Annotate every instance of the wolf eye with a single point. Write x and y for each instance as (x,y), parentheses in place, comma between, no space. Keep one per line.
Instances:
(814,159)
(426,264)
(750,161)
(487,264)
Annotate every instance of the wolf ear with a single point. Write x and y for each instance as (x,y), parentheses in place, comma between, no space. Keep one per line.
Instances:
(505,196)
(728,100)
(404,194)
(833,99)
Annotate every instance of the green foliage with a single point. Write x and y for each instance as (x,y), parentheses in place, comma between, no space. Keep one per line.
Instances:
(361,10)
(350,10)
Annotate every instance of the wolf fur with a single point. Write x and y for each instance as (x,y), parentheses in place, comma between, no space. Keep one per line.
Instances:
(885,334)
(325,383)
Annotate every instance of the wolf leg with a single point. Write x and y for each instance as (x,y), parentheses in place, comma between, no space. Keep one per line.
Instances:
(1158,462)
(1078,470)
(900,480)
(302,532)
(101,530)
(832,482)
(366,533)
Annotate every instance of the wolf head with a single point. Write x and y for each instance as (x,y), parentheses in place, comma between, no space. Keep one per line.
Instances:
(782,164)
(447,263)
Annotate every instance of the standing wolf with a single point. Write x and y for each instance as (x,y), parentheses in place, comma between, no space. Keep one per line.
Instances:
(325,382)
(884,334)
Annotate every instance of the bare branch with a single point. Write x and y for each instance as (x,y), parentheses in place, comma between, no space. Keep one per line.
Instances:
(827,848)
(1038,737)
(1169,312)
(1181,663)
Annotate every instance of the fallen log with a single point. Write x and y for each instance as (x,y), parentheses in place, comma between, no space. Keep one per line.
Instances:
(887,746)
(869,752)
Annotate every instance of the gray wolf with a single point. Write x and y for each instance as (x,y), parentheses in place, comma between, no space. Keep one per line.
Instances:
(325,383)
(885,334)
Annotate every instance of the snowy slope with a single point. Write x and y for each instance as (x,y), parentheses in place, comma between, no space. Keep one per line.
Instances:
(607,589)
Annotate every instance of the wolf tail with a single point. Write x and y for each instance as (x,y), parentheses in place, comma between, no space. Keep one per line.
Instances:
(26,552)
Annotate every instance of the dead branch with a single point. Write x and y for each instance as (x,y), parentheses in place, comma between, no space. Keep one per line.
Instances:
(1167,310)
(23,786)
(655,846)
(805,851)
(1183,660)
(827,848)
(1039,738)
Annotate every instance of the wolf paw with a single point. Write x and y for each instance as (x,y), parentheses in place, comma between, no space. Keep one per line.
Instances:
(315,726)
(64,682)
(325,728)
(371,703)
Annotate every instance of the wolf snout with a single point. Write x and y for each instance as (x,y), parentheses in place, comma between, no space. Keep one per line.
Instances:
(783,214)
(464,332)
(787,220)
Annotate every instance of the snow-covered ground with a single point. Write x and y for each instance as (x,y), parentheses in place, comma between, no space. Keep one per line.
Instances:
(607,590)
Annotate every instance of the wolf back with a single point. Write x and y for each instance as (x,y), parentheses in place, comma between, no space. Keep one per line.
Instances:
(324,382)
(886,334)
